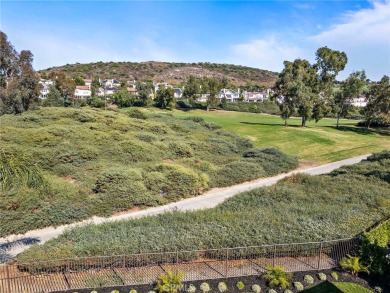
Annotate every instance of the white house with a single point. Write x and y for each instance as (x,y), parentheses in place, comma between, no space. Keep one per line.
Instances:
(361,101)
(163,84)
(256,96)
(229,95)
(132,83)
(202,97)
(46,83)
(103,92)
(88,83)
(110,83)
(82,92)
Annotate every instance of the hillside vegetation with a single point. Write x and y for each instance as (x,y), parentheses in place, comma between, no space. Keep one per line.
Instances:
(174,73)
(300,208)
(100,162)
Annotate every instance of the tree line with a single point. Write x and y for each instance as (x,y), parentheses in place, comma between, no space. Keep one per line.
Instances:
(308,90)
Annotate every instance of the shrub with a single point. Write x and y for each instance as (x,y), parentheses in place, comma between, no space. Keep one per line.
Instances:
(256,288)
(272,291)
(308,279)
(191,289)
(222,287)
(205,287)
(138,114)
(378,289)
(287,291)
(94,291)
(298,286)
(277,276)
(133,291)
(181,150)
(240,285)
(151,291)
(353,265)
(334,275)
(115,291)
(322,276)
(169,282)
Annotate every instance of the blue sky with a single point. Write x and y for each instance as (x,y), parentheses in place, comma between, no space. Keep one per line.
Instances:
(260,34)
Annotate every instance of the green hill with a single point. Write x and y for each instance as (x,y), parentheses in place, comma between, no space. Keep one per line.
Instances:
(100,162)
(173,73)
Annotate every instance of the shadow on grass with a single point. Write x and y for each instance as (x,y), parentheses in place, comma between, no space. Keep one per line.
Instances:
(362,130)
(5,247)
(325,287)
(270,124)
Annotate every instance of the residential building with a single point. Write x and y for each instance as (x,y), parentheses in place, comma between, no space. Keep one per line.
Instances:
(132,84)
(256,96)
(163,84)
(132,90)
(202,97)
(111,83)
(82,92)
(361,101)
(46,83)
(229,95)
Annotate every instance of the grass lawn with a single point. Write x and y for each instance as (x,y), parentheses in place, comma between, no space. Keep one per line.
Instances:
(338,287)
(319,142)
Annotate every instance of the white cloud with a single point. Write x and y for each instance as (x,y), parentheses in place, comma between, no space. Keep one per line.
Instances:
(365,36)
(268,53)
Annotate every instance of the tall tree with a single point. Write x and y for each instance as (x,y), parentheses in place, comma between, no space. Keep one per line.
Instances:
(145,93)
(350,88)
(19,84)
(54,98)
(165,98)
(65,85)
(378,106)
(123,98)
(191,89)
(78,80)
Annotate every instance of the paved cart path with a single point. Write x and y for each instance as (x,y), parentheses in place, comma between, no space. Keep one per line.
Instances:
(14,244)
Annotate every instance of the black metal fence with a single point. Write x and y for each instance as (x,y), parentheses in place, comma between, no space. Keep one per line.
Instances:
(134,269)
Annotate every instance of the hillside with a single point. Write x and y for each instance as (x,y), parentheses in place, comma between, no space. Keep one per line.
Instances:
(100,162)
(173,73)
(299,208)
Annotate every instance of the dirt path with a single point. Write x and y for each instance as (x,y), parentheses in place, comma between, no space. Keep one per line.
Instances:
(15,244)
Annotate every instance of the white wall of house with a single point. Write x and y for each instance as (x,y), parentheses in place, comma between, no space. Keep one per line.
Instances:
(82,92)
(230,95)
(359,102)
(45,87)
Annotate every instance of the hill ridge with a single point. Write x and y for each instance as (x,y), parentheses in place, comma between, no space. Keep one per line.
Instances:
(171,72)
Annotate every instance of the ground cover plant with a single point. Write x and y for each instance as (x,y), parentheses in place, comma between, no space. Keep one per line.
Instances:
(321,142)
(98,162)
(300,208)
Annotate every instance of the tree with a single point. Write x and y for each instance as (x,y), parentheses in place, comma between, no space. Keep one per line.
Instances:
(308,89)
(145,93)
(19,84)
(78,80)
(351,88)
(54,98)
(65,85)
(212,87)
(165,98)
(191,89)
(95,85)
(378,105)
(123,98)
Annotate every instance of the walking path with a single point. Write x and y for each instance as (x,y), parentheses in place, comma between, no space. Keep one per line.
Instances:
(15,244)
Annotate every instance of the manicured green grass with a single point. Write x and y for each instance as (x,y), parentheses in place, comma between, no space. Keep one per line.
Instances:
(300,208)
(100,162)
(320,142)
(338,287)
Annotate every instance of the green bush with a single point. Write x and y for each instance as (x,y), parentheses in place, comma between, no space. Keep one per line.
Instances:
(205,287)
(240,285)
(334,275)
(322,276)
(308,279)
(353,265)
(191,288)
(222,287)
(256,288)
(298,286)
(169,282)
(277,276)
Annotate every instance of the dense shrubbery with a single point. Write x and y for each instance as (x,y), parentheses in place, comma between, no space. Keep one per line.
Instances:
(297,209)
(100,162)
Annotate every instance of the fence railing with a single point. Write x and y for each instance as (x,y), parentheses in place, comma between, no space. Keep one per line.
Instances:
(135,269)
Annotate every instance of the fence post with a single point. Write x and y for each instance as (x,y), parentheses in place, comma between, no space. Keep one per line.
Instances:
(177,256)
(8,278)
(274,257)
(226,262)
(319,256)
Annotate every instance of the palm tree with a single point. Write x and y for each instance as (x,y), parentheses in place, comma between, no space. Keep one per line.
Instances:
(15,172)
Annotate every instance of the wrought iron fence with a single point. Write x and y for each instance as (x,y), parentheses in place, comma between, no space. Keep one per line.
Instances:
(135,269)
